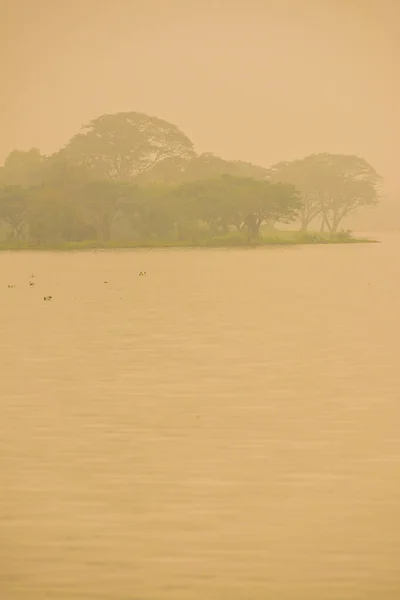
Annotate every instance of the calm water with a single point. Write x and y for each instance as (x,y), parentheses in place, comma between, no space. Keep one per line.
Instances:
(225,428)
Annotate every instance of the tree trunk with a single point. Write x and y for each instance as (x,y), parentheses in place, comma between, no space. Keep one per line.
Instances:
(18,232)
(253,226)
(304,225)
(337,219)
(325,221)
(105,231)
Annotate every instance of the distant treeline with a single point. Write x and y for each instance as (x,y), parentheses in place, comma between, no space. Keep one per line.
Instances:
(133,177)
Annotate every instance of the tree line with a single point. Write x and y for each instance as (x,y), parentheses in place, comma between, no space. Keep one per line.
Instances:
(135,177)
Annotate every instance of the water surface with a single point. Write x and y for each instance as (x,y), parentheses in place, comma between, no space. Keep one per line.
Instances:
(225,428)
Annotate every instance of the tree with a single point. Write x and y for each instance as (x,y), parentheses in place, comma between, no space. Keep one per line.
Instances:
(209,166)
(247,169)
(45,214)
(243,202)
(207,201)
(170,170)
(298,173)
(331,185)
(151,210)
(13,209)
(178,169)
(23,168)
(57,213)
(123,146)
(345,183)
(63,173)
(101,204)
(267,204)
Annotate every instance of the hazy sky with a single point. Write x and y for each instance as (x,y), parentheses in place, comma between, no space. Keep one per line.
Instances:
(262,80)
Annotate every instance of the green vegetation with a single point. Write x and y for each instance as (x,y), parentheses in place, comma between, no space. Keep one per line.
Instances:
(231,240)
(331,187)
(129,180)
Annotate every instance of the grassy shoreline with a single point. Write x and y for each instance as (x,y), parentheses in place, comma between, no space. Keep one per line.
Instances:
(289,238)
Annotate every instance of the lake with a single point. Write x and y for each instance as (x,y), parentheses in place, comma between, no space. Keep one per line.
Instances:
(224,428)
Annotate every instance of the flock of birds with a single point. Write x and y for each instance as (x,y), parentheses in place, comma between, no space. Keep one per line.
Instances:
(31,284)
(48,298)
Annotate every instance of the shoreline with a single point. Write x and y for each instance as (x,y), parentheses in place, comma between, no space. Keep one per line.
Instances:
(216,243)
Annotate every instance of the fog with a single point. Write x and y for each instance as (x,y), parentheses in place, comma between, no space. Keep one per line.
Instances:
(199,300)
(261,81)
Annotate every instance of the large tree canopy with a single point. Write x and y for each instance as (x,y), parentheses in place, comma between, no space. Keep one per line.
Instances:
(122,146)
(177,169)
(136,177)
(243,202)
(331,185)
(23,168)
(152,210)
(13,208)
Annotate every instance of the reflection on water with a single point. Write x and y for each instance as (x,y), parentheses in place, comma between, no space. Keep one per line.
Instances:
(225,428)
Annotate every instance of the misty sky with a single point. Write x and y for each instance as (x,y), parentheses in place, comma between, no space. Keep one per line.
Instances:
(262,80)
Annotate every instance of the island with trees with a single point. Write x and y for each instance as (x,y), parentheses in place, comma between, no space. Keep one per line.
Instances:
(132,180)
